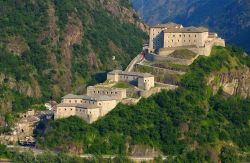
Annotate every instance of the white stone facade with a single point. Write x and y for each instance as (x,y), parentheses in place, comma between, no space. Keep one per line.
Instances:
(115,93)
(86,107)
(144,81)
(166,38)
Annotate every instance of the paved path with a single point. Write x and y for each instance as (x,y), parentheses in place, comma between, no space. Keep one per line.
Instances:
(136,60)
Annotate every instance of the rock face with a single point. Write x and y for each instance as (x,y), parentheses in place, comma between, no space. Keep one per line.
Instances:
(232,83)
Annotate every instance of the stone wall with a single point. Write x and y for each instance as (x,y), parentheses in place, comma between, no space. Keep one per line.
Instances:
(184,39)
(154,57)
(115,93)
(65,112)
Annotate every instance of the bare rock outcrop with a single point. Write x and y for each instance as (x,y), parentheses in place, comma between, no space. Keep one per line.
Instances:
(232,83)
(16,45)
(124,13)
(73,34)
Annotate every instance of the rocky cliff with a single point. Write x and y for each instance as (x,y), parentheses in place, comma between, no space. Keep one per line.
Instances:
(232,83)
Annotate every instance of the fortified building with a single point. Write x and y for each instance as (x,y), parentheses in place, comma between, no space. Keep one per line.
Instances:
(142,80)
(101,99)
(166,38)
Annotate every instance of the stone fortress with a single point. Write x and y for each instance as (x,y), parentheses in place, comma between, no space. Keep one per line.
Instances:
(166,38)
(172,48)
(101,99)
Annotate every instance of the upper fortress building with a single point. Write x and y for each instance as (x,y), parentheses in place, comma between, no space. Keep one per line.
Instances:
(166,38)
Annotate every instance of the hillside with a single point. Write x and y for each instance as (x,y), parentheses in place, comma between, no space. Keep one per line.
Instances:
(49,48)
(229,18)
(194,123)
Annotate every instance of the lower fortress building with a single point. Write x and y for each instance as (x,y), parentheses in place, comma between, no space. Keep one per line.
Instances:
(166,38)
(86,107)
(100,100)
(144,81)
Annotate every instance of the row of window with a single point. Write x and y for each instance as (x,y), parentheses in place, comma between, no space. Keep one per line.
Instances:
(126,77)
(79,110)
(183,35)
(103,92)
(90,102)
(183,41)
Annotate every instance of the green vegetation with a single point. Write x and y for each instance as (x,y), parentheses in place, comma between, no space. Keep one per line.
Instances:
(122,85)
(190,123)
(160,75)
(170,66)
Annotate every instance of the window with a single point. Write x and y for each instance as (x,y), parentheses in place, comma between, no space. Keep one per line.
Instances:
(71,109)
(173,35)
(180,35)
(75,101)
(194,35)
(65,109)
(69,101)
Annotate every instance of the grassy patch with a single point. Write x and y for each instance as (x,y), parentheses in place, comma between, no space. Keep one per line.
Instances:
(122,85)
(171,66)
(183,54)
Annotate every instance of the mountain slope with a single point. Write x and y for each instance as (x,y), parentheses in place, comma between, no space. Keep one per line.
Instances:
(230,18)
(51,47)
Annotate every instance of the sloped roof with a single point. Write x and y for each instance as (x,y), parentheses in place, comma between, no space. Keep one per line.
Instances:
(101,98)
(187,30)
(168,25)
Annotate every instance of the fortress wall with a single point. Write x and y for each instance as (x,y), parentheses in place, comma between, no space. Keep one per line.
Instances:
(111,92)
(154,57)
(146,83)
(127,78)
(89,115)
(107,106)
(156,38)
(64,112)
(184,39)
(113,77)
(72,101)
